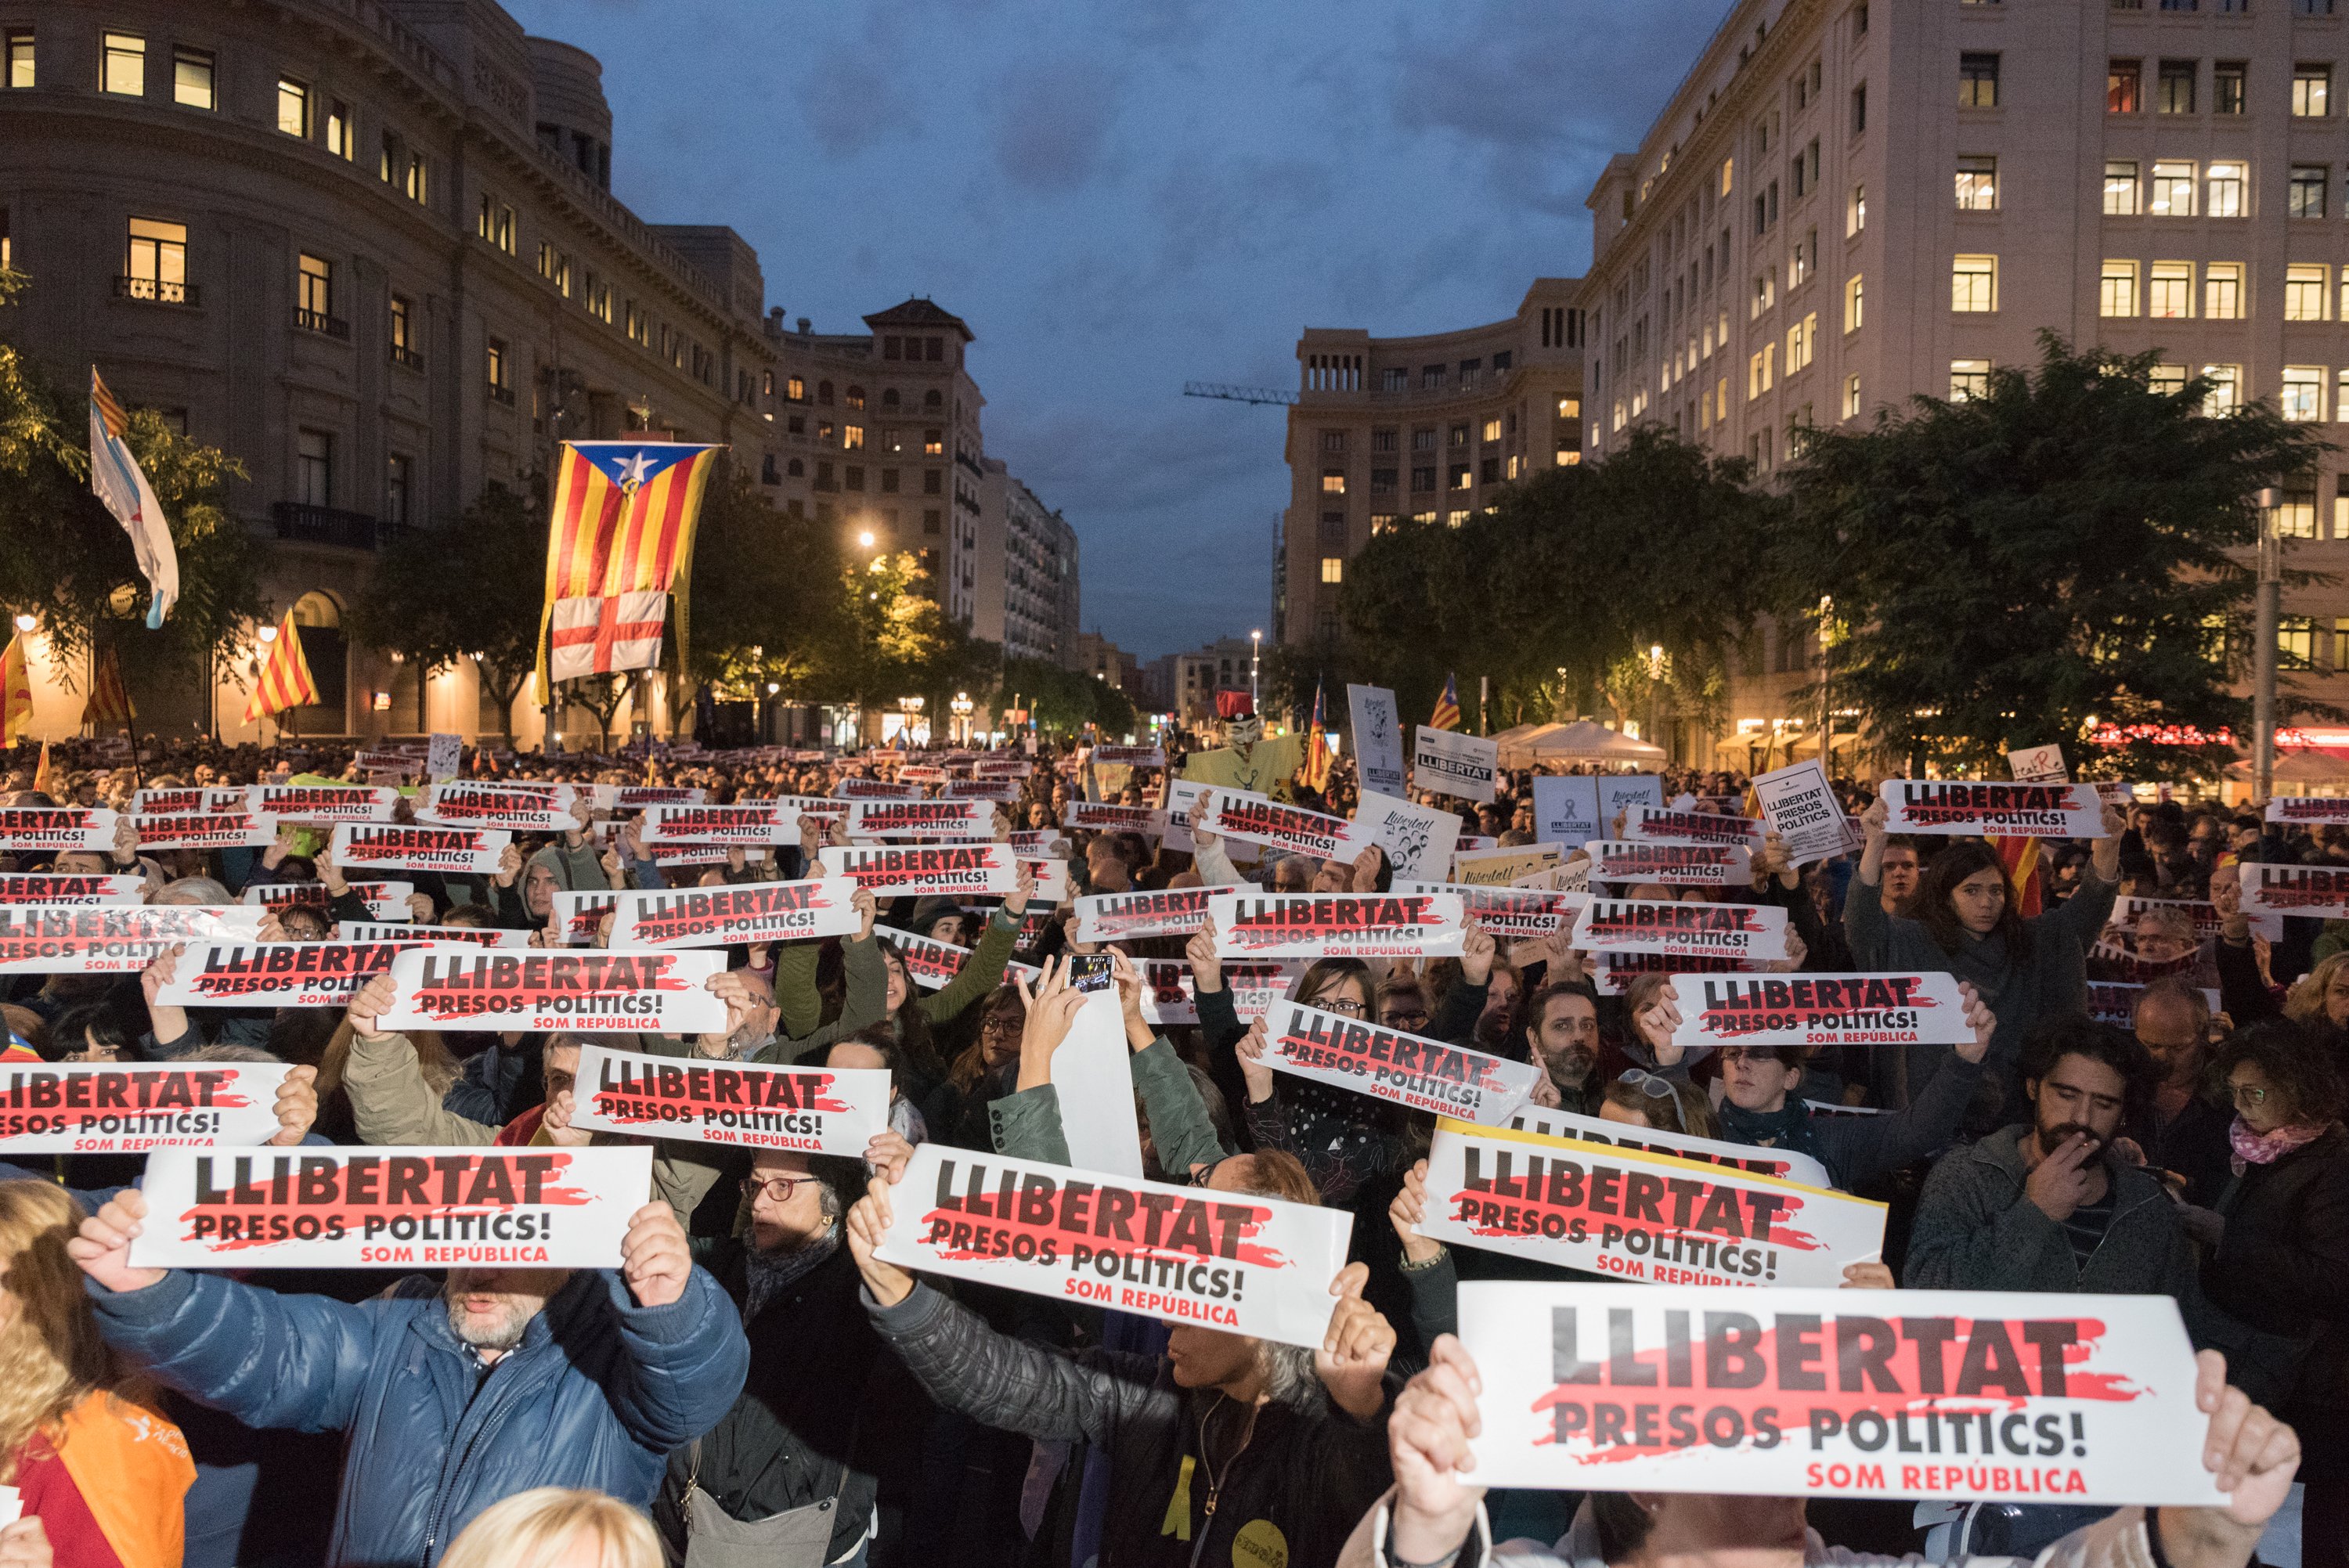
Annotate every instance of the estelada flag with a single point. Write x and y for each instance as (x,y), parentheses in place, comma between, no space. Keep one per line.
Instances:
(619,542)
(2021,859)
(16,691)
(1318,760)
(110,699)
(1447,707)
(285,676)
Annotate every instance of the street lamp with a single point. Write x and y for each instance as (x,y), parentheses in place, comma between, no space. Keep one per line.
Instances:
(2263,659)
(25,623)
(865,539)
(962,707)
(267,633)
(1256,652)
(1656,665)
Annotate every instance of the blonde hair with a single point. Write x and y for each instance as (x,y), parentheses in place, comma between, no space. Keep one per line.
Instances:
(51,1358)
(2304,1003)
(434,1060)
(535,1529)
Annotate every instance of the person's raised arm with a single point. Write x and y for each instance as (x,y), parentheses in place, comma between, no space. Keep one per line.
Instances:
(2253,1454)
(1434,1420)
(1352,1360)
(686,1356)
(390,1102)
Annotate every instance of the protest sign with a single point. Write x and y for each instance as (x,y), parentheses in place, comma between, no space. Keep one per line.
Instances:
(1639,1215)
(1667,822)
(444,754)
(1107,817)
(2115,1002)
(1565,808)
(392,931)
(55,828)
(1129,757)
(1784,1164)
(929,963)
(1092,1078)
(1122,916)
(818,1110)
(131,1108)
(1260,820)
(1510,914)
(1170,991)
(636,797)
(921,819)
(1625,793)
(388,761)
(35,888)
(1669,864)
(2208,922)
(2037,765)
(746,912)
(205,830)
(1800,806)
(323,803)
(1003,791)
(667,855)
(1409,1070)
(1640,925)
(1052,875)
(360,846)
(1448,762)
(823,808)
(1416,837)
(109,939)
(1003,767)
(2036,811)
(467,988)
(579,915)
(749,825)
(1499,867)
(1376,734)
(384,900)
(1965,1395)
(180,802)
(499,806)
(1612,972)
(918,871)
(922,773)
(1037,845)
(1922,1008)
(2106,962)
(465,1207)
(857,788)
(276,974)
(2308,809)
(1250,1265)
(1337,926)
(2319,891)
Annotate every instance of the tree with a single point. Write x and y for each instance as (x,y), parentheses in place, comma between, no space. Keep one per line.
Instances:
(469,588)
(2060,551)
(760,612)
(1063,701)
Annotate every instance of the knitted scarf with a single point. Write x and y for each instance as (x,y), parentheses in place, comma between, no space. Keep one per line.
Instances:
(1788,1127)
(2267,1148)
(768,1274)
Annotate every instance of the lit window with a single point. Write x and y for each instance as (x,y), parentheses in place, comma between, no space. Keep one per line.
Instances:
(2303,400)
(2173,190)
(2166,379)
(2296,516)
(1977,81)
(1973,284)
(20,57)
(2121,188)
(1333,569)
(2116,289)
(191,79)
(1455,519)
(1570,407)
(2226,193)
(1969,380)
(1855,299)
(1854,213)
(293,106)
(2170,290)
(2311,91)
(342,139)
(2226,384)
(2296,635)
(1977,184)
(2122,80)
(2307,189)
(497,364)
(124,70)
(2227,87)
(2304,288)
(1333,481)
(2222,291)
(156,266)
(1492,429)
(314,303)
(1851,397)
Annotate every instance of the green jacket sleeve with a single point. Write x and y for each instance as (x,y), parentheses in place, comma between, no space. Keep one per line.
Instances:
(982,973)
(392,1104)
(2083,916)
(2332,939)
(865,1004)
(795,993)
(1180,1128)
(1027,1126)
(584,868)
(1866,925)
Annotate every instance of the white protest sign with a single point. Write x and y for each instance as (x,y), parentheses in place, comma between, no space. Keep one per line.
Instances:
(1510,914)
(636,797)
(1500,866)
(1922,1008)
(361,846)
(1668,863)
(1800,806)
(577,916)
(110,939)
(932,964)
(465,1207)
(2307,810)
(520,809)
(1668,822)
(1720,930)
(2022,810)
(180,802)
(38,888)
(386,899)
(1129,756)
(1566,809)
(276,974)
(1337,926)
(1376,735)
(206,831)
(1964,1395)
(2318,890)
(1614,971)
(1108,817)
(921,819)
(471,988)
(443,755)
(748,825)
(1003,791)
(323,803)
(1416,837)
(2037,765)
(1254,1266)
(817,1110)
(1170,991)
(744,911)
(1260,820)
(55,828)
(1409,1070)
(1639,1215)
(1124,916)
(858,787)
(1094,1084)
(920,871)
(131,1108)
(395,931)
(1448,762)
(1625,793)
(1784,1164)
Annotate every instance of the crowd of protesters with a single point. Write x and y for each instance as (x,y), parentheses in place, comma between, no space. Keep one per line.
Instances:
(2150,1103)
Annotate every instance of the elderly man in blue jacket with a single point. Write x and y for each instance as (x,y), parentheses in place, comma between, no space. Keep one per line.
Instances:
(450,1397)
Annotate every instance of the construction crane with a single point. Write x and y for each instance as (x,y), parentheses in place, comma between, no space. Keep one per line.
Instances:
(1232,394)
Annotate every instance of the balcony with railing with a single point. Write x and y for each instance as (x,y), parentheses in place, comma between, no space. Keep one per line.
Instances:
(156,291)
(502,394)
(302,523)
(326,325)
(407,358)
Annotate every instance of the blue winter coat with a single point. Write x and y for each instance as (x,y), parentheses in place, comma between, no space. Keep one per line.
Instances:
(597,1394)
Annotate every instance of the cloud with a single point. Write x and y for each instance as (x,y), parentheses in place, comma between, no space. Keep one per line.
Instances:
(850,97)
(1053,124)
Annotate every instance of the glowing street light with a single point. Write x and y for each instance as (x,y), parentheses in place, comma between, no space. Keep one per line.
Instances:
(25,623)
(267,633)
(865,539)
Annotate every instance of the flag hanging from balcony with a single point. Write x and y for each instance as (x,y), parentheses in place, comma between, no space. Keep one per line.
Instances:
(285,676)
(1447,707)
(122,488)
(620,542)
(16,691)
(1318,757)
(110,699)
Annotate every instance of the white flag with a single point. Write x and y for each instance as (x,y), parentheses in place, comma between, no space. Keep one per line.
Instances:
(115,476)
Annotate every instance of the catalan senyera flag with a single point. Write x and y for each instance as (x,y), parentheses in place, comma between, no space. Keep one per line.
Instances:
(2021,857)
(16,691)
(285,676)
(1447,707)
(1317,756)
(110,699)
(122,486)
(620,542)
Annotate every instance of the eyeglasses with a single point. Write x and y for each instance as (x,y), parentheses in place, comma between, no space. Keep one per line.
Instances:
(778,1189)
(1345,1004)
(2249,1093)
(1402,1017)
(1655,1088)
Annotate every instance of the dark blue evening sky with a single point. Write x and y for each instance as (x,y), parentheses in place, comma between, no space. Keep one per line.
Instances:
(1124,195)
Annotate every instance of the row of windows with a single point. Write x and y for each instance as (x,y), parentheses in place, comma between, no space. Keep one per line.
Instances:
(1431,377)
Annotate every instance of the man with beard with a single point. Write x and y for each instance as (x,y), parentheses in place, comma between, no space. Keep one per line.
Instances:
(1562,1040)
(2054,1206)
